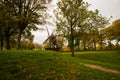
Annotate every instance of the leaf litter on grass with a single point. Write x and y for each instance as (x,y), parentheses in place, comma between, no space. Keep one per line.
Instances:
(39,65)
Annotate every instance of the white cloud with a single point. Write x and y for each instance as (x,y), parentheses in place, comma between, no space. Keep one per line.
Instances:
(106,7)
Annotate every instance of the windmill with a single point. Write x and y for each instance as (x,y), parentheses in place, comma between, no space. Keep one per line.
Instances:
(52,41)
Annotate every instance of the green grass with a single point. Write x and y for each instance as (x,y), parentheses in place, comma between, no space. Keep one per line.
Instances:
(109,59)
(47,65)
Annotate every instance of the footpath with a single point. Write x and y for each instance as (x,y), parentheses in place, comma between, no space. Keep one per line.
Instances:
(102,68)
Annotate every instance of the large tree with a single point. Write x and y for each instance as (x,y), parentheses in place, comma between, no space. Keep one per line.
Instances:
(69,14)
(76,23)
(95,22)
(7,20)
(21,16)
(28,12)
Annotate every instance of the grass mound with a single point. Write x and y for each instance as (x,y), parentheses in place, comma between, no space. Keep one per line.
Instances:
(109,59)
(46,65)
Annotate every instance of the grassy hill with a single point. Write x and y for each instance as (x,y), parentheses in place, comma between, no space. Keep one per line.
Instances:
(108,59)
(47,65)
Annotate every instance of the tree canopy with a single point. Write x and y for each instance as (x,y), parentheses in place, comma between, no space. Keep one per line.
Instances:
(74,20)
(19,17)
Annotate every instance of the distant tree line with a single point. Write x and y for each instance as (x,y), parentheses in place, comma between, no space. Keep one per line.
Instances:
(85,29)
(17,19)
(112,35)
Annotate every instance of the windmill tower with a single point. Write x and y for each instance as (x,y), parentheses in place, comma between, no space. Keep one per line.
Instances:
(52,42)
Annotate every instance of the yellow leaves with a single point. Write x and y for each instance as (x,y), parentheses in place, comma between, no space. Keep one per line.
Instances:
(72,71)
(9,61)
(55,57)
(53,71)
(62,75)
(65,48)
(29,76)
(18,66)
(24,71)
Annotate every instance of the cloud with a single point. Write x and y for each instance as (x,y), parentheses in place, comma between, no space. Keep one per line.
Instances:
(106,7)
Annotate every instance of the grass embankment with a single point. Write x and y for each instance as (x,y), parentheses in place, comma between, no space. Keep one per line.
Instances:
(46,65)
(108,59)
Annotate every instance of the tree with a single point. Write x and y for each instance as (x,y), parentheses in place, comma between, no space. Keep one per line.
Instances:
(69,14)
(116,30)
(27,45)
(97,22)
(7,20)
(24,14)
(28,12)
(102,36)
(1,34)
(38,46)
(90,29)
(113,32)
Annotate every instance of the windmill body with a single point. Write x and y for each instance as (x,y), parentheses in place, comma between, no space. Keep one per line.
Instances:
(51,42)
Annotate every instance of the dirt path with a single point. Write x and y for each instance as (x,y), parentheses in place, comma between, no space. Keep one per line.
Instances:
(102,68)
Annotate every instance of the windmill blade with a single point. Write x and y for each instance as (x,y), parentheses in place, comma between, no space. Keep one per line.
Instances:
(47,31)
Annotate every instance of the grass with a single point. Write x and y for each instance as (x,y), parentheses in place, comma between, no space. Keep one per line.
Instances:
(47,65)
(109,59)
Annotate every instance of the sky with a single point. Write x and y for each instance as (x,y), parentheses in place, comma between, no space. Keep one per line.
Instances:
(107,8)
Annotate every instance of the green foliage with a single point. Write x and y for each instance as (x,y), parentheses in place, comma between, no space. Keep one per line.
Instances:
(79,25)
(69,14)
(19,17)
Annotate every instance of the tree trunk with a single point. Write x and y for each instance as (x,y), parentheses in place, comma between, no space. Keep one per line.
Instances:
(117,45)
(72,47)
(7,42)
(84,43)
(101,46)
(79,47)
(1,44)
(72,42)
(110,45)
(94,45)
(19,39)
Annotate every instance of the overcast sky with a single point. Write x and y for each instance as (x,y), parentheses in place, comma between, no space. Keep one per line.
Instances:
(106,7)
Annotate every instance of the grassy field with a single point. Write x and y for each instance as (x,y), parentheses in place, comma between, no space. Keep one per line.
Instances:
(109,59)
(47,65)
